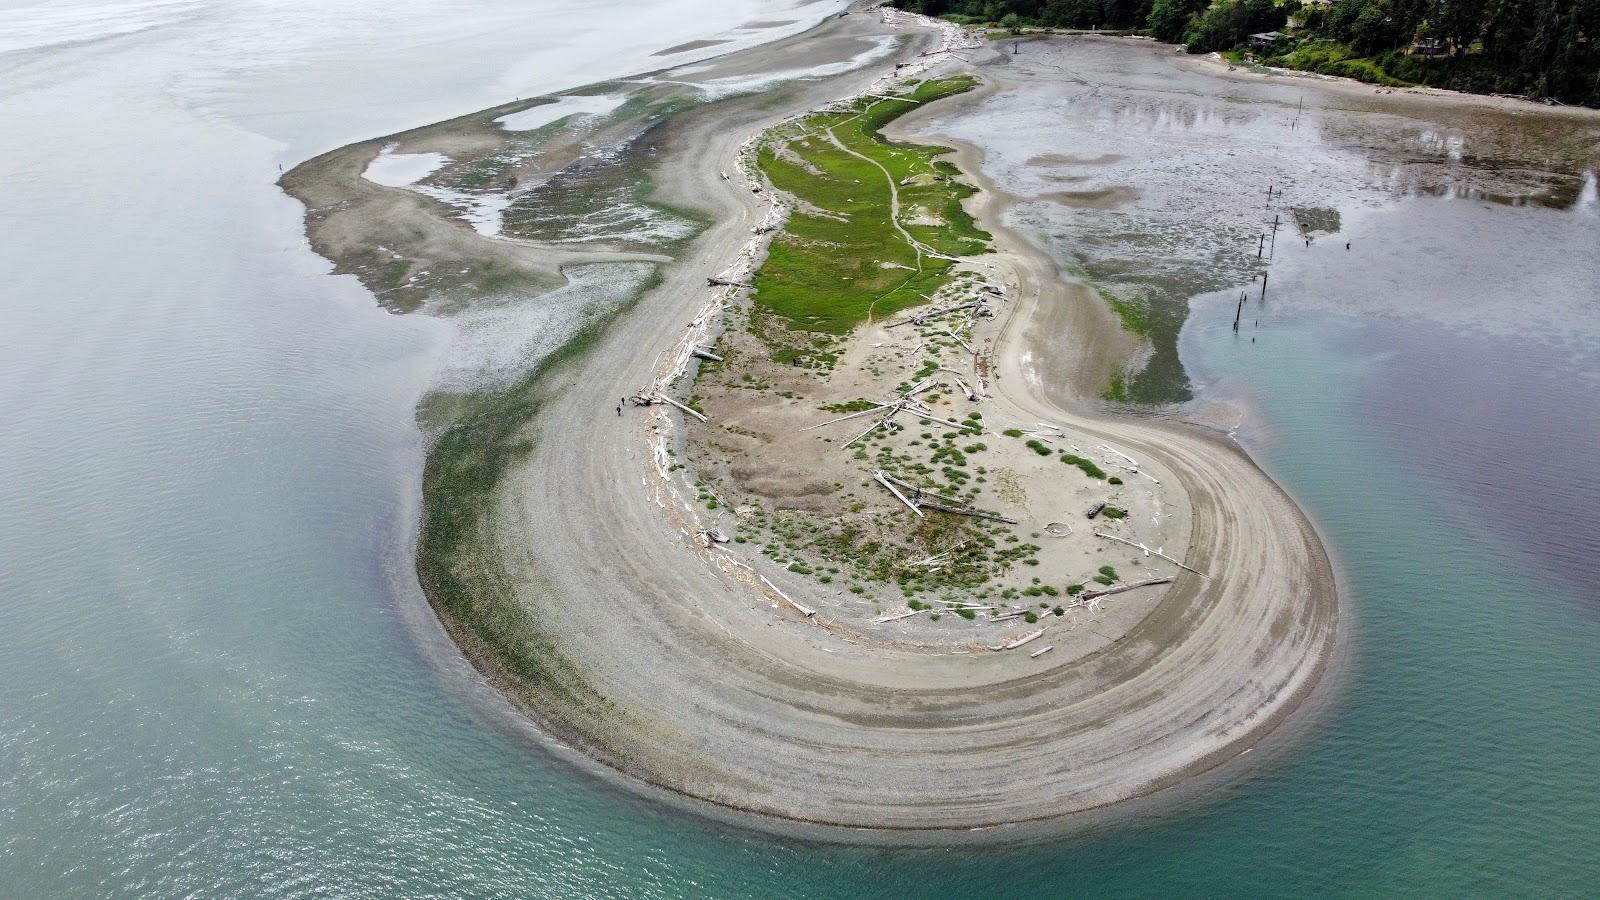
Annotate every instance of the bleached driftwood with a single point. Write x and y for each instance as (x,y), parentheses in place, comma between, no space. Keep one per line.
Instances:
(922,412)
(1040,652)
(884,480)
(971,394)
(1086,596)
(1149,552)
(853,415)
(884,422)
(975,513)
(924,318)
(960,340)
(804,610)
(898,616)
(937,557)
(1131,461)
(698,415)
(1030,636)
(921,491)
(706,354)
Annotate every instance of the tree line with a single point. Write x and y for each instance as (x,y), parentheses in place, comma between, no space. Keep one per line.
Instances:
(1543,48)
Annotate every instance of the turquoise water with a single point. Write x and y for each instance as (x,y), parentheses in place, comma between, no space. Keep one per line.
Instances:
(216,677)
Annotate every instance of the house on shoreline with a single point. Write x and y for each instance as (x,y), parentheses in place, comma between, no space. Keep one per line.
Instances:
(1266,41)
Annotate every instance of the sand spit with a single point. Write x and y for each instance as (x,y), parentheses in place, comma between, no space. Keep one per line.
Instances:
(700,669)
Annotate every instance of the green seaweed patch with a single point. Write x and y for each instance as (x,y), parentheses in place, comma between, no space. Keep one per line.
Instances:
(456,560)
(1134,312)
(1117,390)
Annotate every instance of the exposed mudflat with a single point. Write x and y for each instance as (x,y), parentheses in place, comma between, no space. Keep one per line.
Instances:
(1147,172)
(691,45)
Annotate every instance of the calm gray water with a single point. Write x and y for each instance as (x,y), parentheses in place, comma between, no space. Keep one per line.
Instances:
(216,677)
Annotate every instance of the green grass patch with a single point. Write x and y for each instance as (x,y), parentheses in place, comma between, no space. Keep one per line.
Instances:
(851,406)
(841,258)
(1334,58)
(1087,465)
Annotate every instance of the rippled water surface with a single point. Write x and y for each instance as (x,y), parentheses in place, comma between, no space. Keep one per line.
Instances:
(215,673)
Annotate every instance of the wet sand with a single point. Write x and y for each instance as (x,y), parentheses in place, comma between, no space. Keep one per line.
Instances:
(679,674)
(685,48)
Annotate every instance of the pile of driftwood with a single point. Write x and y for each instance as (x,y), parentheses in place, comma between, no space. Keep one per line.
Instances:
(917,499)
(652,399)
(977,307)
(889,409)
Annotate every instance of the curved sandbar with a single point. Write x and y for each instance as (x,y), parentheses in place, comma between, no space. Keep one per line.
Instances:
(685,674)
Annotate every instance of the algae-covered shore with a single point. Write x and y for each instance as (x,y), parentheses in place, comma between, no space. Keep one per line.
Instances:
(563,549)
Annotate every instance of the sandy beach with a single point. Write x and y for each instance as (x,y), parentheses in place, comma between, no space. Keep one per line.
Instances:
(672,667)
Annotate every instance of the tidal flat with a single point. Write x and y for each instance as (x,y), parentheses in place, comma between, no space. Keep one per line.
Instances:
(1147,173)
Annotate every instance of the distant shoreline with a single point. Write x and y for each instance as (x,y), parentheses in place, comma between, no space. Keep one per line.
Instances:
(1215,64)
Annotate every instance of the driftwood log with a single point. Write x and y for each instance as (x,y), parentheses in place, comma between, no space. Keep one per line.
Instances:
(1090,595)
(975,513)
